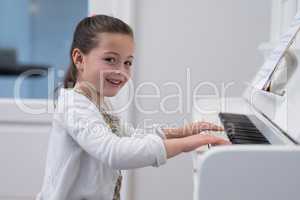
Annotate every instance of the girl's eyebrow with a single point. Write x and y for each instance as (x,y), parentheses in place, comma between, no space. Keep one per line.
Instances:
(115,53)
(112,52)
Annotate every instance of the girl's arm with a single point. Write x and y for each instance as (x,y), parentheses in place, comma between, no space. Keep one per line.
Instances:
(168,133)
(87,127)
(182,139)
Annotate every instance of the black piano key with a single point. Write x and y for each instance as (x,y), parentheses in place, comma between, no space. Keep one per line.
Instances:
(235,132)
(245,129)
(235,120)
(239,124)
(243,137)
(233,115)
(244,141)
(242,129)
(246,135)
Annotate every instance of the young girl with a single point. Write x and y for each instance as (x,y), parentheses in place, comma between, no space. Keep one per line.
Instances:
(88,144)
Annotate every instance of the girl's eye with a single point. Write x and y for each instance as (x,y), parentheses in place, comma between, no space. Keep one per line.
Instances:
(110,60)
(128,63)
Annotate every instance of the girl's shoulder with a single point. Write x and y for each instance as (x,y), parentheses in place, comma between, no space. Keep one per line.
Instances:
(69,98)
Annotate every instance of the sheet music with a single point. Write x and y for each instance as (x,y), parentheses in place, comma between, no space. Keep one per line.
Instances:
(263,77)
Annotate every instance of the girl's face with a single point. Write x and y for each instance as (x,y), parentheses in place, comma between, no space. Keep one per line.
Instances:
(108,66)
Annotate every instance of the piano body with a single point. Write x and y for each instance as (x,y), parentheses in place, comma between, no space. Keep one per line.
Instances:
(263,124)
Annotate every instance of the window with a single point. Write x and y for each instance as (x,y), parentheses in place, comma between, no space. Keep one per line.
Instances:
(35,39)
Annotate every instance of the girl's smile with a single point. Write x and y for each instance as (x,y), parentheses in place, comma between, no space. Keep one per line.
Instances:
(116,79)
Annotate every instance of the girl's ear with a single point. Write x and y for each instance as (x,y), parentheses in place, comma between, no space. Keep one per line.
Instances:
(77,57)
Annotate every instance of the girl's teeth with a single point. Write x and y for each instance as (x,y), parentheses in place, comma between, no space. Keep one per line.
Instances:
(115,82)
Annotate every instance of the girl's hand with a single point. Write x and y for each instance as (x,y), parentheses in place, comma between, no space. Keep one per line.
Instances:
(190,143)
(195,141)
(191,129)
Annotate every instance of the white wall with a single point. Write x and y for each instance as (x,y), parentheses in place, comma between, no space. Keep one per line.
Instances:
(218,41)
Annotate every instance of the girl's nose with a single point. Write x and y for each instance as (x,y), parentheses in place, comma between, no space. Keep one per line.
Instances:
(122,72)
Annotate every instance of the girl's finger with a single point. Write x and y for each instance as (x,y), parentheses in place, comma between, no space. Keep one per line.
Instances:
(209,126)
(220,141)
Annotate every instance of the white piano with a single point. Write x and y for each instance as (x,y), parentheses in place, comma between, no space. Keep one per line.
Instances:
(264,125)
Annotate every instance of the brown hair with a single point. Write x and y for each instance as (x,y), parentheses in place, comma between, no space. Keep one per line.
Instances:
(85,38)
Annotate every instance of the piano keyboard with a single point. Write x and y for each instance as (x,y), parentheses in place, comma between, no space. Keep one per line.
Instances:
(240,129)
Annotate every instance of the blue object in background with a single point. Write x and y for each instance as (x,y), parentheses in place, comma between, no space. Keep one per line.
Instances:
(41,31)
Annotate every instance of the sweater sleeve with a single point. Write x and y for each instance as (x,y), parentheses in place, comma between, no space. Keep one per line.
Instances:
(87,127)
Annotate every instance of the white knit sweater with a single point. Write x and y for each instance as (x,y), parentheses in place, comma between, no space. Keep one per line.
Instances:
(84,156)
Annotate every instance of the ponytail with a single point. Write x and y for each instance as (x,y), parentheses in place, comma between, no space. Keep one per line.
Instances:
(70,76)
